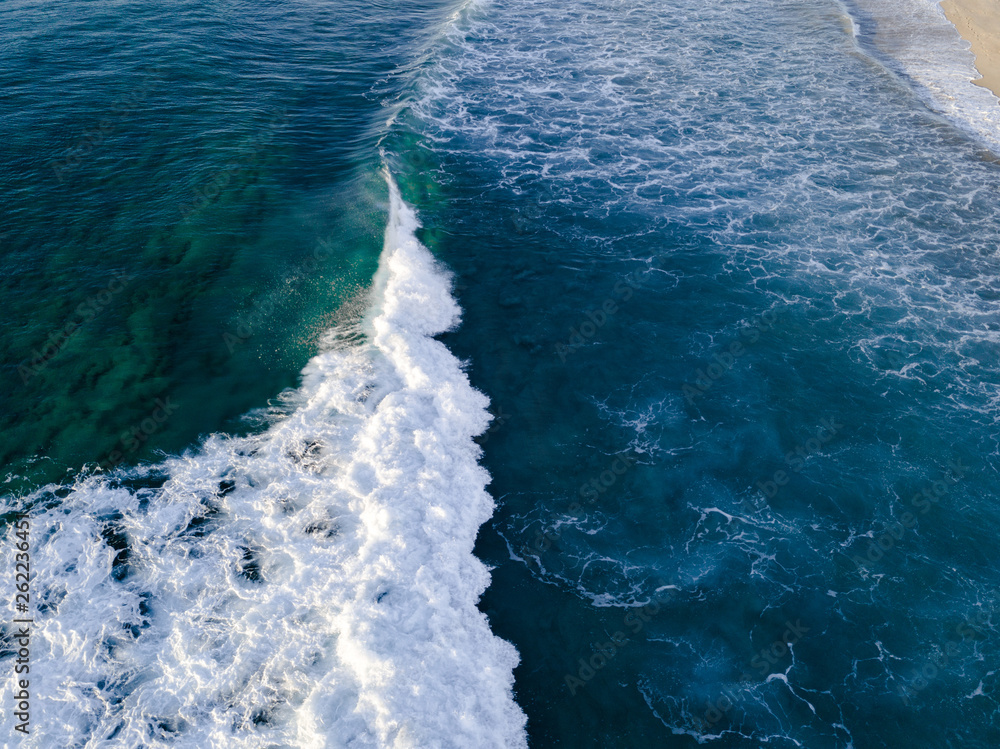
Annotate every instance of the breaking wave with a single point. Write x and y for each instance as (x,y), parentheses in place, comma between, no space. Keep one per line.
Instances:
(312,585)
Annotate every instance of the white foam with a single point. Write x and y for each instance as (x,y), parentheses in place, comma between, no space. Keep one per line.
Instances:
(925,46)
(359,506)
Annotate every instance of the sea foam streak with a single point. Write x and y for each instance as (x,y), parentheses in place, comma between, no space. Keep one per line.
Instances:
(310,586)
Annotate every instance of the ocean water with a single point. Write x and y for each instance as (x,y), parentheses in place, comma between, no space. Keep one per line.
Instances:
(438,374)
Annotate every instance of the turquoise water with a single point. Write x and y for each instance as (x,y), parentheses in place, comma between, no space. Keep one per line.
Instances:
(176,177)
(728,277)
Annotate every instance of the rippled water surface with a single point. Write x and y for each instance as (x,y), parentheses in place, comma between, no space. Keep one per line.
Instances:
(729,282)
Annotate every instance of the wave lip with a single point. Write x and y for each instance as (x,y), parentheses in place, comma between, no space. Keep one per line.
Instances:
(435,486)
(313,585)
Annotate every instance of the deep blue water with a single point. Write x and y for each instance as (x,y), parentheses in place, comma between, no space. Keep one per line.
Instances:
(728,276)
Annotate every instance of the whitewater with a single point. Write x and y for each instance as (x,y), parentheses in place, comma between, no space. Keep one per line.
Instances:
(792,178)
(310,585)
(915,40)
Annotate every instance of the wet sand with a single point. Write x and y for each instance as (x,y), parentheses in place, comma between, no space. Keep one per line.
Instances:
(979,22)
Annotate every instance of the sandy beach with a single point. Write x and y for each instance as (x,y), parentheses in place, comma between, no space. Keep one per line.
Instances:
(979,22)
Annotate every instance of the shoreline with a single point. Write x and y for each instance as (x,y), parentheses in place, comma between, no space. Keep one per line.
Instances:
(978,21)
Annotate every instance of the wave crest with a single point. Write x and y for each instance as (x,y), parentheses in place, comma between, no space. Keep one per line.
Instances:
(312,585)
